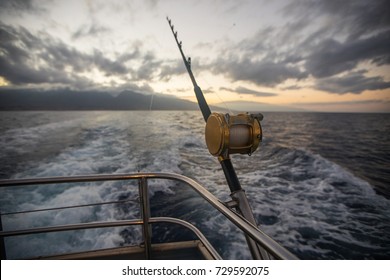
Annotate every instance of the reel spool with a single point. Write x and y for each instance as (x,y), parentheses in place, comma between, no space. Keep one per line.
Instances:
(233,134)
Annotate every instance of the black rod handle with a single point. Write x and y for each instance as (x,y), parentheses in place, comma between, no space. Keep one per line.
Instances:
(230,174)
(204,107)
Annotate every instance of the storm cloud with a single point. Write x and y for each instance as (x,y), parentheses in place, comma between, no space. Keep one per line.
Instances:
(331,57)
(357,32)
(351,83)
(16,6)
(330,54)
(333,46)
(42,60)
(263,72)
(353,18)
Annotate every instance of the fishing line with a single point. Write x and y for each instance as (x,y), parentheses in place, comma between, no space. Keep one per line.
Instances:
(224,103)
(204,80)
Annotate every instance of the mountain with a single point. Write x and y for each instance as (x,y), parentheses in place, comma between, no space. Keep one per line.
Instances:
(66,99)
(250,106)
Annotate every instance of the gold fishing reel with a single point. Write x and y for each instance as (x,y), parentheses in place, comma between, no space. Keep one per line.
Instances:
(233,134)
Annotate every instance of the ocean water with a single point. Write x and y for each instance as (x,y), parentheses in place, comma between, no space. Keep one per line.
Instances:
(319,183)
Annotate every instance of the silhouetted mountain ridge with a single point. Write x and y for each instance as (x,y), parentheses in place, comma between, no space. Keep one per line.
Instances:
(67,99)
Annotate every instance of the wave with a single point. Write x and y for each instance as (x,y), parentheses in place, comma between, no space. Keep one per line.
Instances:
(310,204)
(317,208)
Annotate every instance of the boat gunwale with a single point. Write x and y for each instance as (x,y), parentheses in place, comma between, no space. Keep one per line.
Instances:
(133,222)
(273,247)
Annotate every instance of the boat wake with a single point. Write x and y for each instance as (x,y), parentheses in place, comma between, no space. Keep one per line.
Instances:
(316,208)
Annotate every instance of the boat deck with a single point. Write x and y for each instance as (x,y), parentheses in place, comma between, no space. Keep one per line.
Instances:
(184,250)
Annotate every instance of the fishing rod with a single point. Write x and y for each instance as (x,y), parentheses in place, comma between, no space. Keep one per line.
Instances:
(204,107)
(227,134)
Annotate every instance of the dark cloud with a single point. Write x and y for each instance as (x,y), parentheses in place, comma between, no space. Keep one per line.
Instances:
(260,72)
(173,68)
(356,18)
(357,32)
(266,59)
(150,66)
(40,59)
(352,102)
(328,41)
(90,31)
(322,40)
(354,82)
(331,57)
(110,67)
(20,53)
(294,87)
(7,6)
(243,90)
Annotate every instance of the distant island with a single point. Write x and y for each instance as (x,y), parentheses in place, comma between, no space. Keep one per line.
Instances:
(67,99)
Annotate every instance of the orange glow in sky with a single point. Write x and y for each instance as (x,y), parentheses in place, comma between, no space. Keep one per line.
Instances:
(291,54)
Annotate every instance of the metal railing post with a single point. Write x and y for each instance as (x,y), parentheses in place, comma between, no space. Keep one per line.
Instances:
(146,227)
(3,254)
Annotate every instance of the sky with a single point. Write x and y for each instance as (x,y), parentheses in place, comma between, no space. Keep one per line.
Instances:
(316,55)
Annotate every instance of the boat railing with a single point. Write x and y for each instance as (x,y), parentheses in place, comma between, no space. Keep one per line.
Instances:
(262,239)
